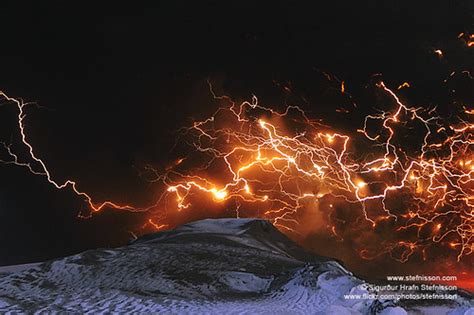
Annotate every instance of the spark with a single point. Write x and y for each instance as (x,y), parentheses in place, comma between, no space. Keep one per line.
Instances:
(361,184)
(220,194)
(403,85)
(467,38)
(157,227)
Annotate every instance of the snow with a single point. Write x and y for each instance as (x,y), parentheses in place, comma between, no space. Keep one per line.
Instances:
(17,268)
(220,266)
(223,226)
(244,282)
(394,311)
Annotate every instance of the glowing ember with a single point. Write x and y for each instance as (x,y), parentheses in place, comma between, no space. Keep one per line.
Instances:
(219,194)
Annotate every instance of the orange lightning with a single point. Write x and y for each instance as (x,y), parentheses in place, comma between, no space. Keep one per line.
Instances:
(281,174)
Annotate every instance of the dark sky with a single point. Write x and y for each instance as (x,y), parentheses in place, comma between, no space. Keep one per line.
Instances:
(118,80)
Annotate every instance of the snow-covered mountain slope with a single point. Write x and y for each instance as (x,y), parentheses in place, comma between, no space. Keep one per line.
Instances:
(217,266)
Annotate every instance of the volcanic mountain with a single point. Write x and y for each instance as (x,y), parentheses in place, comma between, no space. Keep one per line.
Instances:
(221,266)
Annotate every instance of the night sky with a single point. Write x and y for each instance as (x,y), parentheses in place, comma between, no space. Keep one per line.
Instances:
(116,82)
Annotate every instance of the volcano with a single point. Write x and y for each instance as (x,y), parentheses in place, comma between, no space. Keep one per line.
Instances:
(220,266)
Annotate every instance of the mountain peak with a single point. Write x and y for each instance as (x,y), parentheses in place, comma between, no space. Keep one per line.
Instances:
(208,266)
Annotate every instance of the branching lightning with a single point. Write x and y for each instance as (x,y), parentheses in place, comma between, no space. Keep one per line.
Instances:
(38,167)
(279,164)
(284,173)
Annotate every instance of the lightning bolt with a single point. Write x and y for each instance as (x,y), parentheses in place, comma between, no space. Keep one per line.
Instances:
(262,164)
